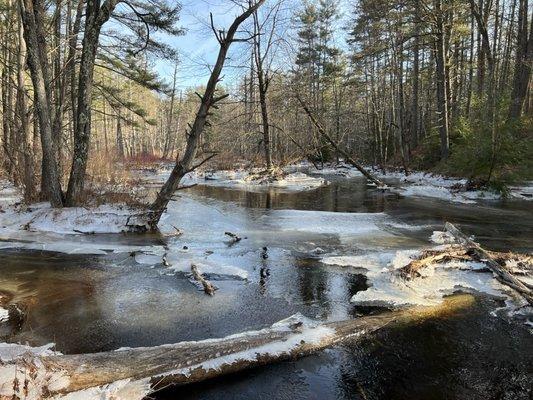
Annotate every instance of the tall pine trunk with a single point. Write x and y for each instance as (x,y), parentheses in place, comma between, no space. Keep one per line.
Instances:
(442,97)
(524,59)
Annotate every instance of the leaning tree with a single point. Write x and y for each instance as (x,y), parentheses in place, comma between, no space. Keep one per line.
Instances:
(209,99)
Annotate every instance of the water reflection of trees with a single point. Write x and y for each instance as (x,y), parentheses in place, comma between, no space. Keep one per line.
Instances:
(58,297)
(340,196)
(313,286)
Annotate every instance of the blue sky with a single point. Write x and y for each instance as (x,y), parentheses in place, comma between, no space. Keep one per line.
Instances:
(198,47)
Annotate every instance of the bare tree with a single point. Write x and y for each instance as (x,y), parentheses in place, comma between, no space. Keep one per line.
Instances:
(32,19)
(262,53)
(186,163)
(95,17)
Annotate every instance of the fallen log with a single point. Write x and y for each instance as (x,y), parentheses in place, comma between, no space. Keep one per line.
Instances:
(336,146)
(146,370)
(208,286)
(502,274)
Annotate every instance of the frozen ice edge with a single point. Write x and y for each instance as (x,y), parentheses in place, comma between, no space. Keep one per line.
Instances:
(422,184)
(437,281)
(292,181)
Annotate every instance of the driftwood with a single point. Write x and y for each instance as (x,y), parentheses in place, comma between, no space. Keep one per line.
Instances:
(190,362)
(502,274)
(468,250)
(208,286)
(412,270)
(336,146)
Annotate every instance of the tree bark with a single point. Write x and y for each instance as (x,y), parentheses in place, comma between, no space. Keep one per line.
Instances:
(24,120)
(38,70)
(415,109)
(263,82)
(95,17)
(524,61)
(442,96)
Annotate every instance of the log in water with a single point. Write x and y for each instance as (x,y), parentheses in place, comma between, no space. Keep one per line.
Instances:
(189,362)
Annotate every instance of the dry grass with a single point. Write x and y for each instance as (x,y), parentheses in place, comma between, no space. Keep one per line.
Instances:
(110,182)
(106,169)
(228,161)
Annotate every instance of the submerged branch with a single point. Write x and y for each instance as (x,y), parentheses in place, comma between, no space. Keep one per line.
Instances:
(209,288)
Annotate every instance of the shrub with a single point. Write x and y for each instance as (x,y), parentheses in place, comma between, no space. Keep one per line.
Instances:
(473,154)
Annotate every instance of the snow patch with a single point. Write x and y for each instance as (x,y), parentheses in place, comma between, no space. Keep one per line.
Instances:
(389,290)
(9,194)
(29,389)
(250,179)
(42,378)
(42,218)
(181,262)
(310,333)
(4,314)
(423,184)
(440,237)
(11,351)
(126,389)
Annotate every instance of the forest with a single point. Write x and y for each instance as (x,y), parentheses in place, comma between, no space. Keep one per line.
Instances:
(241,198)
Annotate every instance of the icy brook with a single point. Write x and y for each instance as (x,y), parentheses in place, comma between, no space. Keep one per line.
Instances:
(330,249)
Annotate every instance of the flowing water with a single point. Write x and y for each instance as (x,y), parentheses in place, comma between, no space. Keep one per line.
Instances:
(97,303)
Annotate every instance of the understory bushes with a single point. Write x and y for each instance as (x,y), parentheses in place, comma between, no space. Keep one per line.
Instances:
(498,160)
(476,155)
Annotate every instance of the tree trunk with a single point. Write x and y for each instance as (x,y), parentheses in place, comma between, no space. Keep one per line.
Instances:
(24,120)
(169,137)
(95,17)
(335,145)
(415,119)
(442,97)
(30,20)
(501,273)
(524,61)
(155,368)
(263,82)
(185,164)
